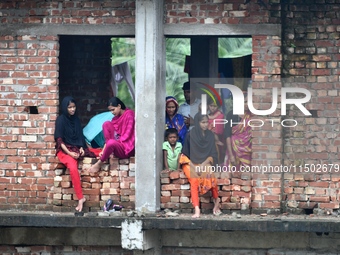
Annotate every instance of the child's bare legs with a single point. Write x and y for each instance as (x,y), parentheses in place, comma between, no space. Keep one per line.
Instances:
(96,167)
(197,212)
(81,202)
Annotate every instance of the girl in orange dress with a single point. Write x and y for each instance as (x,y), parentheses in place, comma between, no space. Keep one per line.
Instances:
(198,157)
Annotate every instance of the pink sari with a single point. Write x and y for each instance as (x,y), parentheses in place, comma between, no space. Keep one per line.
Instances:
(241,143)
(122,128)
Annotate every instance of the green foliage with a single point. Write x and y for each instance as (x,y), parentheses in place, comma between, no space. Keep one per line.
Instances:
(176,51)
(234,47)
(123,50)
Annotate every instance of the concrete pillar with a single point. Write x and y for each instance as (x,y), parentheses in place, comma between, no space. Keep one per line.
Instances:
(213,57)
(136,239)
(150,103)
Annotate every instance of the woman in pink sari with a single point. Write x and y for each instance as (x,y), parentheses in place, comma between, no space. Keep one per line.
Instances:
(119,134)
(238,140)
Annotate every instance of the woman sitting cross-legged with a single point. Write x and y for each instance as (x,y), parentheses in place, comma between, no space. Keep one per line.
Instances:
(119,134)
(198,156)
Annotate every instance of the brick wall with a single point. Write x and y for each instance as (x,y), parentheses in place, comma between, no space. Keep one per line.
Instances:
(29,66)
(311,60)
(310,54)
(116,181)
(85,73)
(29,77)
(222,12)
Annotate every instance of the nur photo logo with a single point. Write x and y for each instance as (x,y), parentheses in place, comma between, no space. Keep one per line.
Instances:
(239,104)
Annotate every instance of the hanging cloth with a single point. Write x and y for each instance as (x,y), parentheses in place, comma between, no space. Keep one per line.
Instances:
(122,72)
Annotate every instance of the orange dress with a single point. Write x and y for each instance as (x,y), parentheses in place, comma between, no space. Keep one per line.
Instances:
(199,184)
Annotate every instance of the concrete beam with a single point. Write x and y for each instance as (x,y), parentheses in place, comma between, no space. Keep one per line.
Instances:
(60,236)
(222,29)
(246,223)
(150,103)
(129,29)
(68,29)
(148,234)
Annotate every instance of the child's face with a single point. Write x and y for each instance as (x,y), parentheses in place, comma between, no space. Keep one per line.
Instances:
(204,123)
(212,107)
(171,109)
(172,139)
(71,108)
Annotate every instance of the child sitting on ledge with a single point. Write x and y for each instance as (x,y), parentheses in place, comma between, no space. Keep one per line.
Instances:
(171,150)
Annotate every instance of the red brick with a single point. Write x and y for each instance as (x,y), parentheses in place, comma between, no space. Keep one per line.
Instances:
(329,205)
(174,175)
(171,187)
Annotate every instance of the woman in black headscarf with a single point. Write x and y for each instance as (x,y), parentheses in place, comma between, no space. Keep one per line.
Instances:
(70,144)
(199,154)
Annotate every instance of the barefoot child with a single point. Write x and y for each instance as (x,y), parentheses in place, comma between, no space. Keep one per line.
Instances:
(171,150)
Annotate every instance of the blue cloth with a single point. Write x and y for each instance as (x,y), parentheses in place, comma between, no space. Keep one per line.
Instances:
(177,121)
(93,131)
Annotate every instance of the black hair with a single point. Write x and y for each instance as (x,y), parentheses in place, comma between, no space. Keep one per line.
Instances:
(115,101)
(213,100)
(170,131)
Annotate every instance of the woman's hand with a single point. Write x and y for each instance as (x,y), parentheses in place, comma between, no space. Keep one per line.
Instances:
(74,155)
(82,152)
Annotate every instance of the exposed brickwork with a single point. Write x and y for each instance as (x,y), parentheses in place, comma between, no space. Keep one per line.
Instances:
(223,12)
(116,181)
(68,12)
(29,76)
(311,56)
(86,70)
(234,191)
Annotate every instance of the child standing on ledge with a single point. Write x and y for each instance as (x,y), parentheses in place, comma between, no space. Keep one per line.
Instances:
(171,150)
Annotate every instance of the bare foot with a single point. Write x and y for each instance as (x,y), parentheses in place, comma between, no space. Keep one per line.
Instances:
(217,206)
(197,212)
(96,167)
(81,202)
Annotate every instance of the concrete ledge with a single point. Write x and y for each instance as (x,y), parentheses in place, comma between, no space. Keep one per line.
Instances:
(148,234)
(183,222)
